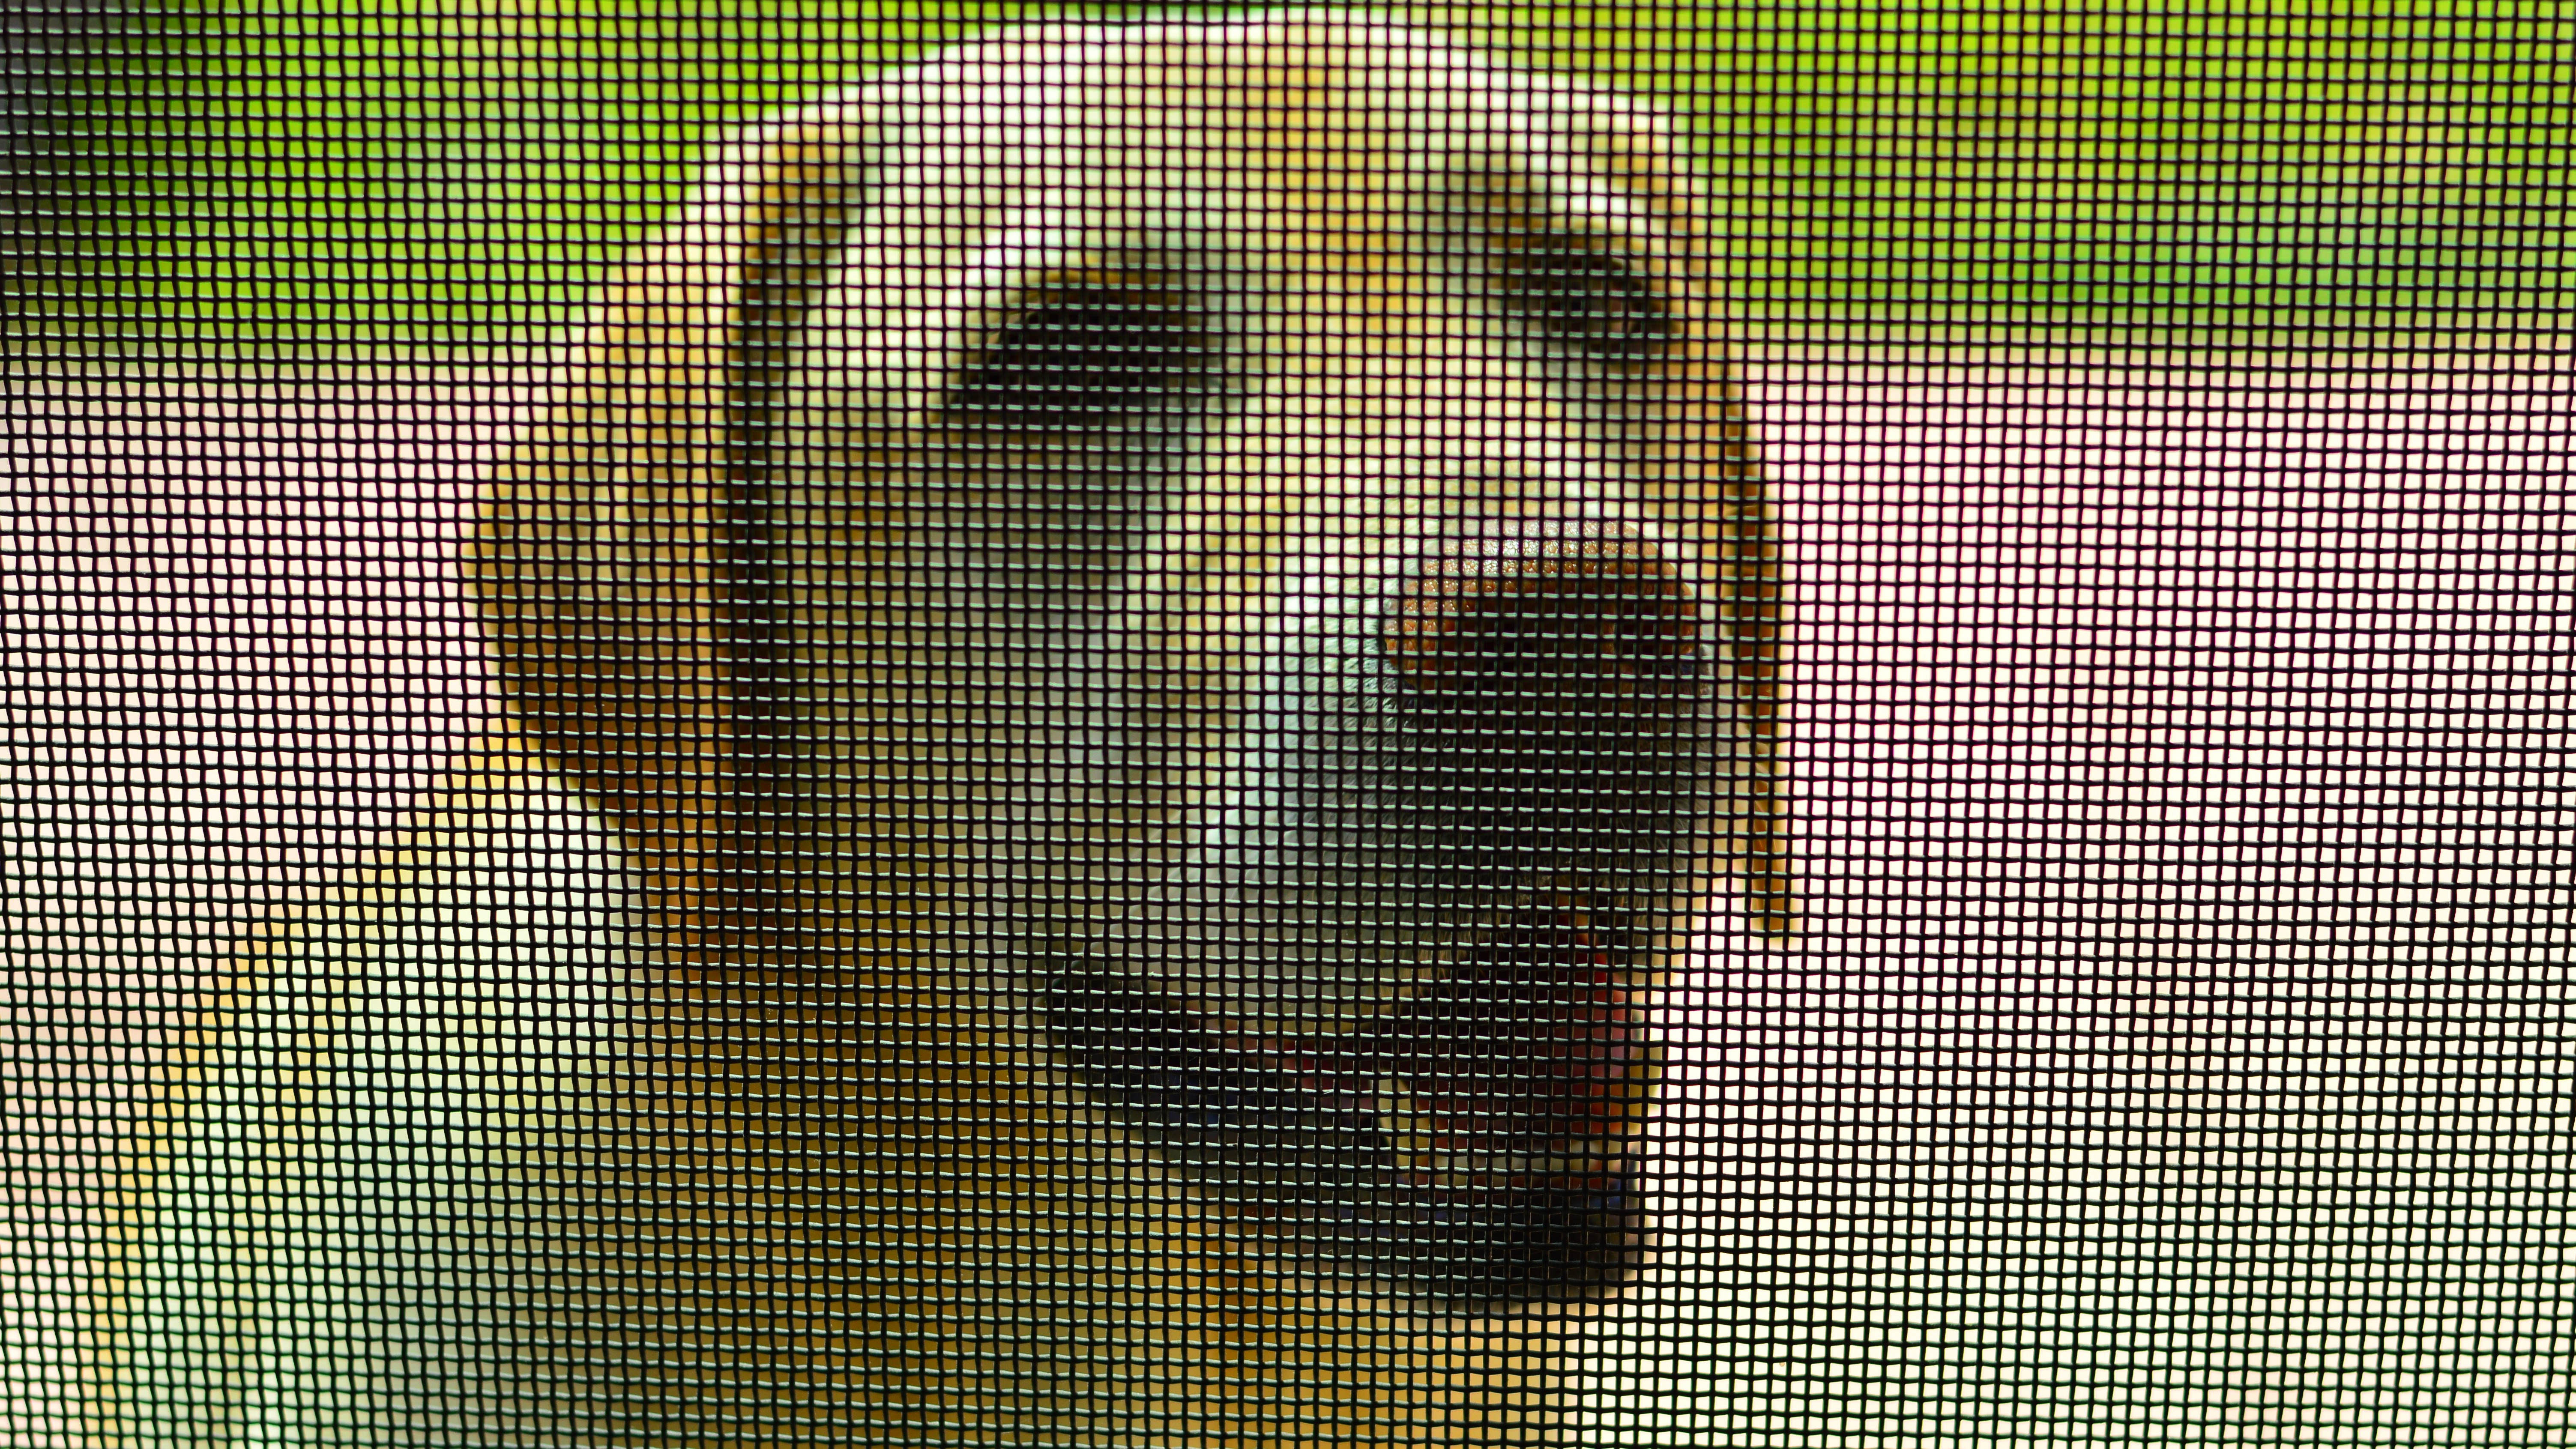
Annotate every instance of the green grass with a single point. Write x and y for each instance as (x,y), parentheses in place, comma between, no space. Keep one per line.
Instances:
(462,169)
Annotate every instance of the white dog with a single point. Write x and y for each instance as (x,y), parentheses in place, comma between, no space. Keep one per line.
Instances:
(1171,623)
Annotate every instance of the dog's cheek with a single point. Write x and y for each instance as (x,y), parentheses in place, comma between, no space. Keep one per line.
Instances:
(949,618)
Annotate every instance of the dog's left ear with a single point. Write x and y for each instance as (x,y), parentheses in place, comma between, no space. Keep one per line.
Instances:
(615,561)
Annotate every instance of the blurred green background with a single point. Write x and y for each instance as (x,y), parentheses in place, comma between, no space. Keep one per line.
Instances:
(457,173)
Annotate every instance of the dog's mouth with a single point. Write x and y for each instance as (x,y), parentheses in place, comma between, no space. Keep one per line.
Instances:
(1476,1141)
(1476,1144)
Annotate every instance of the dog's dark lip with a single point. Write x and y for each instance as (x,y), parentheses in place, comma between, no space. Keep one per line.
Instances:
(1495,1075)
(1476,1144)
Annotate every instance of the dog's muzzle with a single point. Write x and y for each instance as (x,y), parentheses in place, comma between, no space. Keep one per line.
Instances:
(1387,1009)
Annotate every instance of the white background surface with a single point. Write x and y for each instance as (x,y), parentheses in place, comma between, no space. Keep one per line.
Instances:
(2178,1041)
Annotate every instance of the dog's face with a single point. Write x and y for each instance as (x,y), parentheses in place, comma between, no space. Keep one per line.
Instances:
(1222,563)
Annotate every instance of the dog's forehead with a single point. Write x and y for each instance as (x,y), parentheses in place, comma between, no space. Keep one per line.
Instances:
(1241,118)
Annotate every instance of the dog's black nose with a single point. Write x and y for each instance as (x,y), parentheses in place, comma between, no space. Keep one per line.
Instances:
(1526,623)
(1553,690)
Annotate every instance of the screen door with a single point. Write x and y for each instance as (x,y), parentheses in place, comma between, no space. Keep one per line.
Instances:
(929,725)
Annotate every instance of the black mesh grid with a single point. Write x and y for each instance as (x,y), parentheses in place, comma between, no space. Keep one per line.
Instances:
(933,725)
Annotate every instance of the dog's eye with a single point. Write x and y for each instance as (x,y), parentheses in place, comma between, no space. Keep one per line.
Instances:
(1587,299)
(1081,355)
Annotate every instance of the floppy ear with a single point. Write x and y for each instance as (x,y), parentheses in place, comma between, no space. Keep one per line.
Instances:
(1715,458)
(616,563)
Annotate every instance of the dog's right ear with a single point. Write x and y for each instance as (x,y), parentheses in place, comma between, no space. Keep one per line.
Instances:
(619,560)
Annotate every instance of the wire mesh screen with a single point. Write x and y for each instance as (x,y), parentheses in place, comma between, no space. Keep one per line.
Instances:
(859,725)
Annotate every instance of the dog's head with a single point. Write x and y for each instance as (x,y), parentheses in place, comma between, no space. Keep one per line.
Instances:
(1224,553)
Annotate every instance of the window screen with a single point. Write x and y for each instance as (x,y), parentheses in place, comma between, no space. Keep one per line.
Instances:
(868,725)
